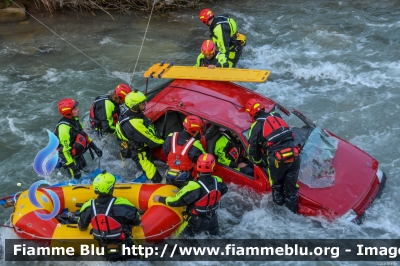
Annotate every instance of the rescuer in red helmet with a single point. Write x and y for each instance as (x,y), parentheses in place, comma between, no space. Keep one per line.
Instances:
(209,58)
(105,109)
(74,141)
(224,35)
(201,197)
(183,149)
(271,145)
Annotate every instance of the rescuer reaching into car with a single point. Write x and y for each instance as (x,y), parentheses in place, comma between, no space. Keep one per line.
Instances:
(183,149)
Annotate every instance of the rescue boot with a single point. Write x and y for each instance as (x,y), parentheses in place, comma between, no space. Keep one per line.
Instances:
(292,203)
(277,196)
(157,178)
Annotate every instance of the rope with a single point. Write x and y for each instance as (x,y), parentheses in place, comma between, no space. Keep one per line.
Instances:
(46,238)
(144,37)
(7,226)
(65,40)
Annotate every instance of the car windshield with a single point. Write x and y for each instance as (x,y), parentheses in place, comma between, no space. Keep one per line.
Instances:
(317,153)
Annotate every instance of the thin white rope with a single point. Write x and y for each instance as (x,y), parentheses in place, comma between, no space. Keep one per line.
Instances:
(144,37)
(65,40)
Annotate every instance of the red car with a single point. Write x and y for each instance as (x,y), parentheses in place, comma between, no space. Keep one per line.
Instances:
(344,179)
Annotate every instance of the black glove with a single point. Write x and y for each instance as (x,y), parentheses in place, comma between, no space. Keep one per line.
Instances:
(72,218)
(74,170)
(98,152)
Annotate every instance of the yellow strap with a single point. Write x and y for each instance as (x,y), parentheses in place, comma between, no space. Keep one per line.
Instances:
(122,160)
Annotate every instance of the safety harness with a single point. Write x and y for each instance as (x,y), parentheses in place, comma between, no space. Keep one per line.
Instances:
(178,159)
(106,229)
(207,205)
(275,131)
(79,139)
(94,122)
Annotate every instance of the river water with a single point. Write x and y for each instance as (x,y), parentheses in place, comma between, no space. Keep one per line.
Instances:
(338,62)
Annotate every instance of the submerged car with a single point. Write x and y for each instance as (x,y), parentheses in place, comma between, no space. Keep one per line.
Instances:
(336,179)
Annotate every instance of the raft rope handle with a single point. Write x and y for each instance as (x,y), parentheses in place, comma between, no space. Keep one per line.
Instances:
(65,40)
(144,37)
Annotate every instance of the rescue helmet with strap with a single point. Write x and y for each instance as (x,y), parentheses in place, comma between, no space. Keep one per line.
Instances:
(253,106)
(208,48)
(205,163)
(65,107)
(106,229)
(103,184)
(134,98)
(205,15)
(121,91)
(192,124)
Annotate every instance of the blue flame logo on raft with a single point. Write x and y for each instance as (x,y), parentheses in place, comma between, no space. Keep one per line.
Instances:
(32,198)
(44,163)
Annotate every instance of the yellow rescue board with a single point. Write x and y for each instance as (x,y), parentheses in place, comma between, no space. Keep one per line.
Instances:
(170,71)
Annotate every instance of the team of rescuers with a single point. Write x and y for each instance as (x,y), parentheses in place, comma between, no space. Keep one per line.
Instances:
(271,146)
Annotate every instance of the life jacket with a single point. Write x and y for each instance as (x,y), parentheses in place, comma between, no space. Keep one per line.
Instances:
(105,228)
(205,62)
(207,205)
(224,19)
(79,141)
(100,100)
(233,151)
(275,130)
(178,157)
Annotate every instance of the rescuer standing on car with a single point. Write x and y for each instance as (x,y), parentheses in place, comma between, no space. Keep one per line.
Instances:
(74,141)
(183,149)
(111,218)
(201,197)
(271,145)
(224,35)
(138,137)
(105,110)
(208,57)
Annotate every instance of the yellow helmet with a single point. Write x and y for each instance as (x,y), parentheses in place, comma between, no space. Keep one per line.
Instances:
(104,183)
(241,39)
(134,98)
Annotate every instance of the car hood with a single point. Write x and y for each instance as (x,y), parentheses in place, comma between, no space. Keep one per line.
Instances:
(355,174)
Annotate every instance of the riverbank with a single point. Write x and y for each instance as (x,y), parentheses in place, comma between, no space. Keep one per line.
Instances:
(20,10)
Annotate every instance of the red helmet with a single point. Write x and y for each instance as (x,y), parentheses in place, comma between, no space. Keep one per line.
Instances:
(253,106)
(205,15)
(205,163)
(208,48)
(65,107)
(121,91)
(192,124)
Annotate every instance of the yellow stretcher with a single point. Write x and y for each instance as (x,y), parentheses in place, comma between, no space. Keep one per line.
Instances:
(170,71)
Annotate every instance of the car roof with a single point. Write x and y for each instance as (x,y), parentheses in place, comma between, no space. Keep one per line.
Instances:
(219,101)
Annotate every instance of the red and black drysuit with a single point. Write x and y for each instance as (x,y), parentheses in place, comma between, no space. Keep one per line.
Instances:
(121,210)
(284,175)
(202,200)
